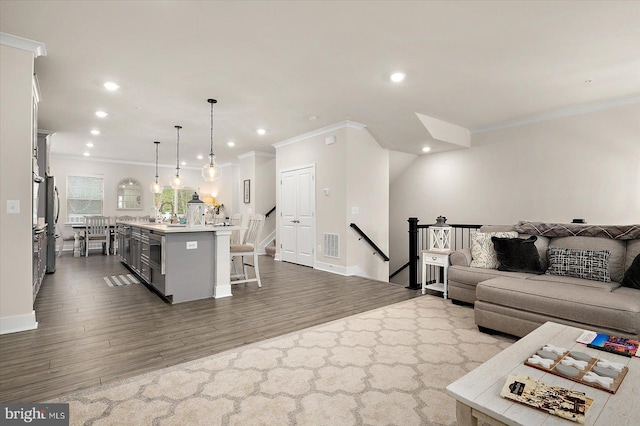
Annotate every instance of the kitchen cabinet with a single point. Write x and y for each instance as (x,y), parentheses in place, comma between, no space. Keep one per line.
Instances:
(39,261)
(179,263)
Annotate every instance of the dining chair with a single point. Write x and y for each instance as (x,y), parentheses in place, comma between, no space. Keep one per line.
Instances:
(97,229)
(249,247)
(235,220)
(64,237)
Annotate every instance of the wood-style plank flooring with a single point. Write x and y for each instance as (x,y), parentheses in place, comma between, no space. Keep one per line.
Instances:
(90,334)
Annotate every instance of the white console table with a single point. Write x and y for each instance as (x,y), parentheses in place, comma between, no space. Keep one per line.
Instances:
(441,260)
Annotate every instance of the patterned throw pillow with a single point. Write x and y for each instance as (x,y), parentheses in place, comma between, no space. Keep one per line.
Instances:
(483,255)
(588,264)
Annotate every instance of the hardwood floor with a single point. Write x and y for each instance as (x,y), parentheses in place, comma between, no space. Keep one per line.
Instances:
(90,334)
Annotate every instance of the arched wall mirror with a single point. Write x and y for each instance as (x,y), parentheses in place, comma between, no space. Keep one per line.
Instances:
(129,195)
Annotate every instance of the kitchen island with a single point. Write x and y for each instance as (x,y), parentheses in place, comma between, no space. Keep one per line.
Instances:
(180,263)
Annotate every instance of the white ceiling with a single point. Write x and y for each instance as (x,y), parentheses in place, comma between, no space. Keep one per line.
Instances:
(273,64)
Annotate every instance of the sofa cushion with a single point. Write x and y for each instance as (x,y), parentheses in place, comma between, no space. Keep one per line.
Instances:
(558,280)
(517,254)
(472,276)
(618,309)
(617,249)
(632,276)
(586,264)
(483,255)
(461,257)
(633,250)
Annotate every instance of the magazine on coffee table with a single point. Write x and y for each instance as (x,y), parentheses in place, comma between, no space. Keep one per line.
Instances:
(556,400)
(614,344)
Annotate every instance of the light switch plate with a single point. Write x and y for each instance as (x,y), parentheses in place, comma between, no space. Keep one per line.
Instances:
(191,245)
(355,210)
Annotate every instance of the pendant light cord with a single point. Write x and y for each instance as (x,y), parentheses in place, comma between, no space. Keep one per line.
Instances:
(178,152)
(157,144)
(211,154)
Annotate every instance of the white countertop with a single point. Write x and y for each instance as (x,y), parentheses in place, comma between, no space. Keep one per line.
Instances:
(170,228)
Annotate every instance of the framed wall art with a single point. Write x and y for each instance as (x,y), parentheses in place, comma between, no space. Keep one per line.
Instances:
(247,191)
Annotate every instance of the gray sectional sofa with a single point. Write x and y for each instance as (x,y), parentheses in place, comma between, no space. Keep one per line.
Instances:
(517,302)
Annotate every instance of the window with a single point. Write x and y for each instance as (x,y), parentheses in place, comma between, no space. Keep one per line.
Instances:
(85,197)
(173,197)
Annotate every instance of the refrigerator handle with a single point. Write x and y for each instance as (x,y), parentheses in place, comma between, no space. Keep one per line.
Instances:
(55,188)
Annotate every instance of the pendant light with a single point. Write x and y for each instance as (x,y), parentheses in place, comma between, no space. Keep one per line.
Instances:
(211,171)
(156,188)
(177,182)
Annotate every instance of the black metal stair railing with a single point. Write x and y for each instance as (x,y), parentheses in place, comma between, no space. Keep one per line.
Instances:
(419,240)
(368,240)
(270,211)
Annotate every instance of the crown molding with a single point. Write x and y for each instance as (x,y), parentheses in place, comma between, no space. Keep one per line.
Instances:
(36,47)
(320,131)
(255,154)
(133,163)
(566,112)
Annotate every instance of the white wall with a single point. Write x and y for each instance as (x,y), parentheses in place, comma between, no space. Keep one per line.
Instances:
(260,169)
(368,191)
(330,161)
(355,170)
(16,183)
(584,166)
(265,192)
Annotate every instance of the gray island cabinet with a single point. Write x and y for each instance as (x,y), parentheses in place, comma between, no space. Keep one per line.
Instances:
(180,263)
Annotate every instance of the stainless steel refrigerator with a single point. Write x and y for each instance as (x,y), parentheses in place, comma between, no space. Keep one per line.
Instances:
(52,211)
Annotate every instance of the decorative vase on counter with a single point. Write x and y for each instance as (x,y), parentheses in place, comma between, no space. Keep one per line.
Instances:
(195,212)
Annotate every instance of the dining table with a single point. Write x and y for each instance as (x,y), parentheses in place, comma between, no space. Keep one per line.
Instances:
(78,238)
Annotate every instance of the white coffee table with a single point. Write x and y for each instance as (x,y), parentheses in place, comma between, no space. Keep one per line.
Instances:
(478,398)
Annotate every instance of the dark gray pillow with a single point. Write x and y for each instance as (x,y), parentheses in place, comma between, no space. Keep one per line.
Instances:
(517,254)
(587,264)
(632,276)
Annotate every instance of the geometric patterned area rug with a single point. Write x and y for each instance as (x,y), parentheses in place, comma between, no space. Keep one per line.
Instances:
(120,280)
(381,367)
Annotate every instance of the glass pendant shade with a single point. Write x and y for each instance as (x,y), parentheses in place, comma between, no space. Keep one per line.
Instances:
(155,187)
(177,182)
(211,171)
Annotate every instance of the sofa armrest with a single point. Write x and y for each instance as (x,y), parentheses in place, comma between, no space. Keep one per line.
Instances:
(460,257)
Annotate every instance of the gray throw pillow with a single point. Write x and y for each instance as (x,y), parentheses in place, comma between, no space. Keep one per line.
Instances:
(587,264)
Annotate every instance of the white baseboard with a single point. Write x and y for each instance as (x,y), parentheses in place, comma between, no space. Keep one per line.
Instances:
(16,323)
(346,271)
(328,267)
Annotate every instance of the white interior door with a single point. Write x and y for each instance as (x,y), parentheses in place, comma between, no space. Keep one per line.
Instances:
(297,215)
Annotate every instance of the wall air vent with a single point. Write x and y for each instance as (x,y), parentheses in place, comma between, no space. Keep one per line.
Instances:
(331,246)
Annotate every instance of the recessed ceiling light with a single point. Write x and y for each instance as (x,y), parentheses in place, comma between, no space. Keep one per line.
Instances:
(426,149)
(261,131)
(397,77)
(230,143)
(199,157)
(110,85)
(101,114)
(184,163)
(313,117)
(95,132)
(86,154)
(90,144)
